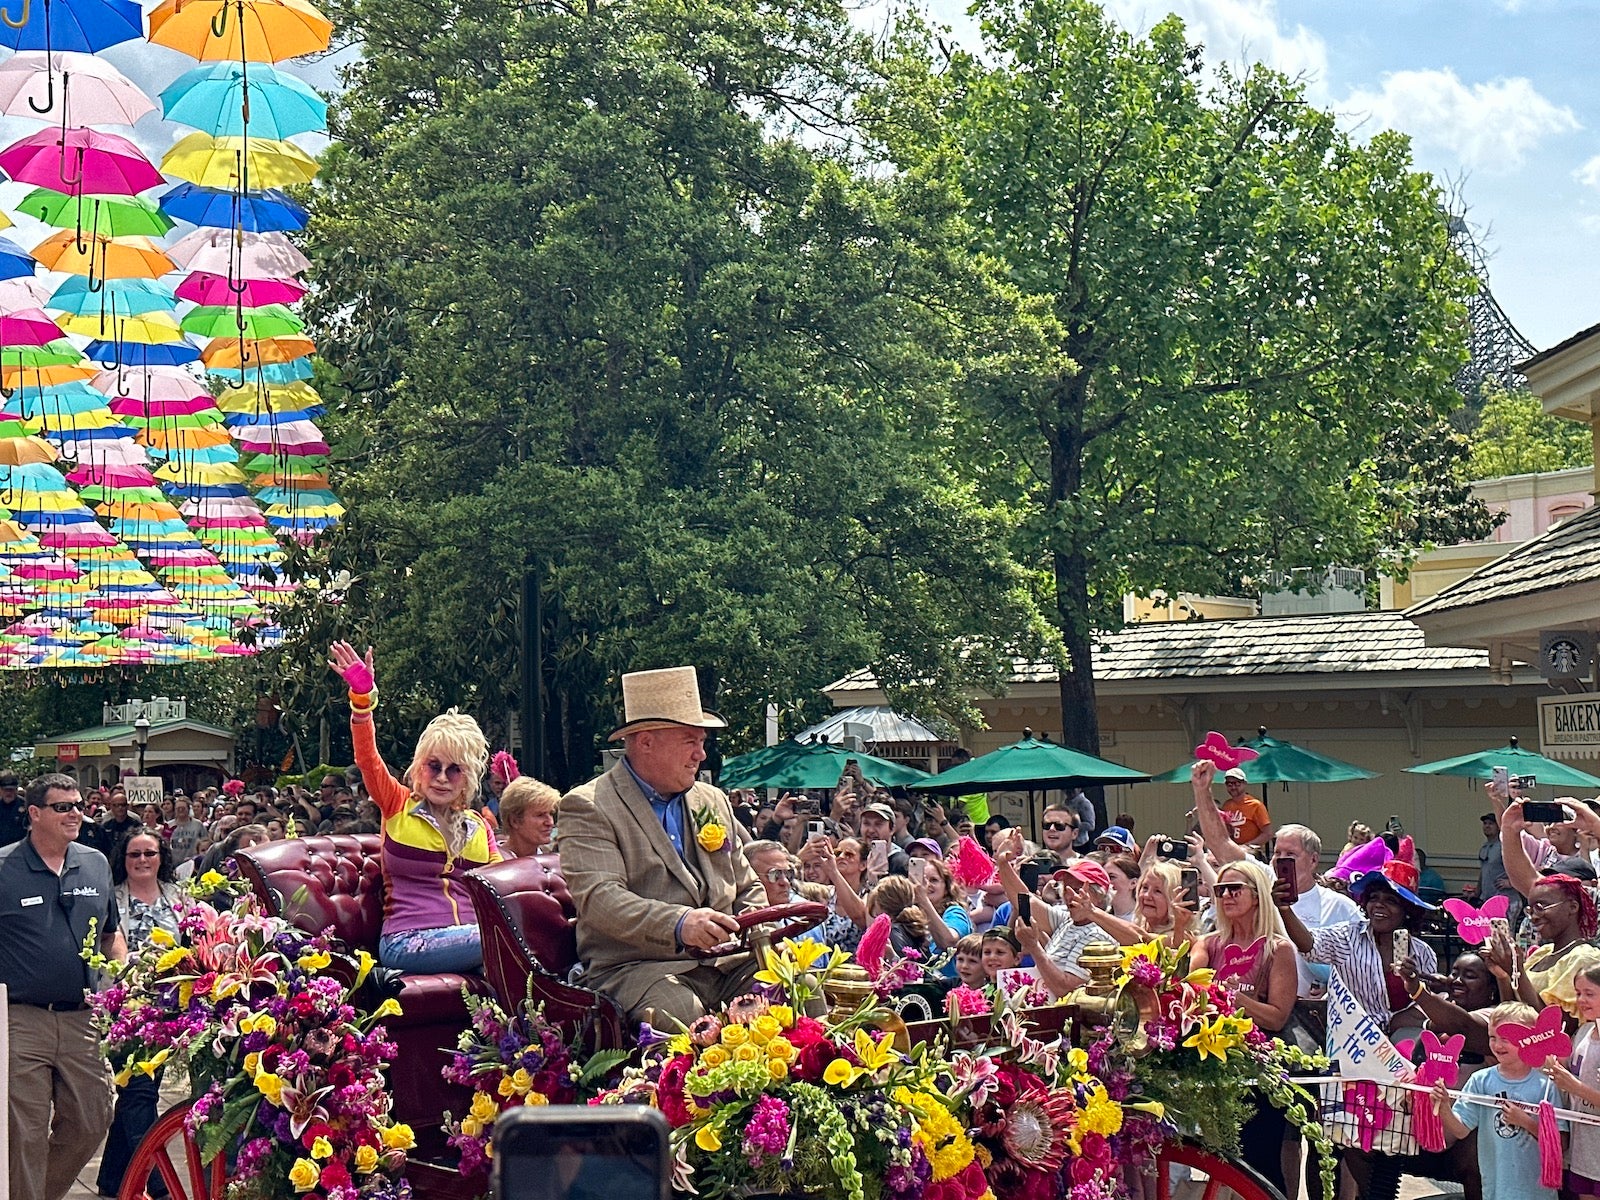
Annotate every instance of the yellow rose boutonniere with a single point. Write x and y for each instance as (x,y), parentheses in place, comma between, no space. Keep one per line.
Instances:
(710,833)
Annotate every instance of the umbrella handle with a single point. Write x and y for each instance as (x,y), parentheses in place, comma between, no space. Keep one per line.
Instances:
(60,173)
(18,23)
(219,23)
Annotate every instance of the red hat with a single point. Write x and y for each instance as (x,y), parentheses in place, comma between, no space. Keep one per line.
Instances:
(1402,868)
(1086,870)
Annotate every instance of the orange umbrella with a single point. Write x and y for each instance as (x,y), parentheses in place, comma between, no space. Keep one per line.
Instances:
(103,257)
(234,352)
(16,451)
(240,30)
(43,377)
(163,438)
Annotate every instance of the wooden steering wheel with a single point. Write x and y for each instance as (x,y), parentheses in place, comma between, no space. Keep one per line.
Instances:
(792,919)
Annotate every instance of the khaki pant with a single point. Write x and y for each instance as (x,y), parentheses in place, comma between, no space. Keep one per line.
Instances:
(689,994)
(60,1100)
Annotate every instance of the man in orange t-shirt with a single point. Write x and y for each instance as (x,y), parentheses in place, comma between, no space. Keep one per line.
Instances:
(1246,816)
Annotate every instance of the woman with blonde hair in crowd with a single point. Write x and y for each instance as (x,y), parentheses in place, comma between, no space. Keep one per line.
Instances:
(431,835)
(1160,909)
(896,898)
(528,816)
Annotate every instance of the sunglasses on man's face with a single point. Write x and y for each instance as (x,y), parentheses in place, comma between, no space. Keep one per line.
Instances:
(66,806)
(1058,826)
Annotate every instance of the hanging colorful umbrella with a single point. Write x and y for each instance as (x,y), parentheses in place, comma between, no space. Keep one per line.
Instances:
(213,98)
(224,208)
(152,327)
(83,25)
(100,257)
(269,321)
(25,291)
(237,255)
(246,352)
(28,327)
(204,288)
(15,262)
(126,353)
(240,30)
(92,91)
(133,297)
(80,160)
(113,216)
(16,451)
(236,162)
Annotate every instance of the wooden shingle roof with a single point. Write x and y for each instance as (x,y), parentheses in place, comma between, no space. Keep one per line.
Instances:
(1567,554)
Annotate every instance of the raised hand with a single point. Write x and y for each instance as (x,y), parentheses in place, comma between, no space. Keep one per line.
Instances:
(356,672)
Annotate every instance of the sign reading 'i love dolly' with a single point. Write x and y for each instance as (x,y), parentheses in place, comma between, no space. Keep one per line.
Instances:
(1547,1036)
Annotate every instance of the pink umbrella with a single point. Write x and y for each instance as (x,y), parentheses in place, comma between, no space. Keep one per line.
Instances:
(235,255)
(77,539)
(80,161)
(204,287)
(28,327)
(111,476)
(303,450)
(45,568)
(92,90)
(129,406)
(26,291)
(256,522)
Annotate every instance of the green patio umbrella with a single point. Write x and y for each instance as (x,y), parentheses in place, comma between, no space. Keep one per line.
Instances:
(1282,762)
(1033,763)
(1517,761)
(814,765)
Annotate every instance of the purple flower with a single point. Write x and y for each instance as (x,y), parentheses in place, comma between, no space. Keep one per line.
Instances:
(1145,973)
(767,1134)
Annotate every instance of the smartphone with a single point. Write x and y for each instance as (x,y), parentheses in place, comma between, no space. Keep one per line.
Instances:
(1171,848)
(1545,813)
(1402,948)
(916,870)
(816,829)
(574,1152)
(1393,825)
(1025,909)
(1524,783)
(1189,886)
(807,806)
(1501,778)
(1287,873)
(1502,926)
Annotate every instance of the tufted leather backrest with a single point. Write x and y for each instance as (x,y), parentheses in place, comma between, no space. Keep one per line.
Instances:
(315,882)
(527,899)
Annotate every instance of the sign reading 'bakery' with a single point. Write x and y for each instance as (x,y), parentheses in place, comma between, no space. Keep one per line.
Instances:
(1569,726)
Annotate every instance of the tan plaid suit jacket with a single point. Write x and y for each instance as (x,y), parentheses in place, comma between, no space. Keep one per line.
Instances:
(631,887)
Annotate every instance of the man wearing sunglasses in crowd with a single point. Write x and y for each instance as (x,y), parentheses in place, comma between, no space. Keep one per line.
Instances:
(53,893)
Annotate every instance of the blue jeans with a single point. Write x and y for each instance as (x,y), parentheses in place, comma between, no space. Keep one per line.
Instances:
(447,948)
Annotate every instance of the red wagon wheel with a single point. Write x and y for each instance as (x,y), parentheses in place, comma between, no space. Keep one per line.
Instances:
(186,1178)
(1220,1175)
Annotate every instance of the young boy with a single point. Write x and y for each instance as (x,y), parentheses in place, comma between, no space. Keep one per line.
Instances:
(1508,1145)
(969,961)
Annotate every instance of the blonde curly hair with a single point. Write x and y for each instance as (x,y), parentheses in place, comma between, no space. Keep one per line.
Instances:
(459,738)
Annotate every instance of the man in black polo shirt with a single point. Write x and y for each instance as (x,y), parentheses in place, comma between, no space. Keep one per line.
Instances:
(13,813)
(52,892)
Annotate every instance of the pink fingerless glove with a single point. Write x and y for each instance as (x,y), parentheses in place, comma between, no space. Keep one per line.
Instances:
(358,676)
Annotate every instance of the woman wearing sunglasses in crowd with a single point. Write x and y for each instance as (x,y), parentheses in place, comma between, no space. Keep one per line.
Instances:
(431,835)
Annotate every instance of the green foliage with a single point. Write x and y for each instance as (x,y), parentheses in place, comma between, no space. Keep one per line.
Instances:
(601,314)
(1233,320)
(1515,437)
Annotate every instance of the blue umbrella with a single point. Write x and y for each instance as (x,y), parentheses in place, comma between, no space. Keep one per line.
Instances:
(287,372)
(88,26)
(131,297)
(15,262)
(266,211)
(211,97)
(142,354)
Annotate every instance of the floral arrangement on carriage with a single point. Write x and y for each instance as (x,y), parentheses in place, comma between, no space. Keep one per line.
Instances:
(285,1071)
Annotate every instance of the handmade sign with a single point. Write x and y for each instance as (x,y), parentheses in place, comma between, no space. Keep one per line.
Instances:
(1362,1051)
(1217,751)
(1441,1063)
(1473,924)
(1372,1112)
(1547,1037)
(1240,962)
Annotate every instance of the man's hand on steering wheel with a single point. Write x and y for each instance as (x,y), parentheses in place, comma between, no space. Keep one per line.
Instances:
(706,929)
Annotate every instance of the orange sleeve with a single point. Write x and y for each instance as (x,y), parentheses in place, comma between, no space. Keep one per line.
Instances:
(387,793)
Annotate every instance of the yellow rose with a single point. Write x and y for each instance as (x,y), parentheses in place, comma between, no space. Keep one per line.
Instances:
(252,1063)
(483,1106)
(389,1008)
(270,1086)
(777,1070)
(781,1048)
(505,1087)
(265,1024)
(535,1099)
(747,1053)
(471,1126)
(713,1056)
(160,937)
(521,1080)
(321,1148)
(399,1137)
(366,1159)
(304,1175)
(712,837)
(764,1028)
(735,1035)
(706,1138)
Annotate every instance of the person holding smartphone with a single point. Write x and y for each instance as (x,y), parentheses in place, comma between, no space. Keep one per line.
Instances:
(942,901)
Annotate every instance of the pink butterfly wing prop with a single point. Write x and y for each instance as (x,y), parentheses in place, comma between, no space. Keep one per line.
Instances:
(1472,924)
(1440,1059)
(1548,1036)
(1216,750)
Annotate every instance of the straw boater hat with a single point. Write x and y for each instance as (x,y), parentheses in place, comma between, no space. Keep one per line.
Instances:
(663,699)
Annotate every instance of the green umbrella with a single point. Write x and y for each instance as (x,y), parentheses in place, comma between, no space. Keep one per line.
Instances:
(114,216)
(1031,763)
(1516,761)
(736,770)
(1282,762)
(816,765)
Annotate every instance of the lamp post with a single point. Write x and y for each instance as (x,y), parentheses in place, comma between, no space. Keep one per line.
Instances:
(141,738)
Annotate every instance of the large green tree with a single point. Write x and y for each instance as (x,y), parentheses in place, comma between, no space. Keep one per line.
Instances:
(1244,327)
(609,298)
(1515,436)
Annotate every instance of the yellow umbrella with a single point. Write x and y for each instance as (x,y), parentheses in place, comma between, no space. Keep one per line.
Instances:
(275,397)
(154,328)
(240,30)
(14,452)
(103,257)
(226,162)
(204,474)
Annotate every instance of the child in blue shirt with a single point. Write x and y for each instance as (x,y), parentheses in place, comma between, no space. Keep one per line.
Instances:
(1508,1138)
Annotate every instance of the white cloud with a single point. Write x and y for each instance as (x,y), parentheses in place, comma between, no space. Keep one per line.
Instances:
(1234,31)
(1484,126)
(1589,173)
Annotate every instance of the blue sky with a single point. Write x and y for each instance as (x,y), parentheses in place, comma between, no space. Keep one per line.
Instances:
(1499,96)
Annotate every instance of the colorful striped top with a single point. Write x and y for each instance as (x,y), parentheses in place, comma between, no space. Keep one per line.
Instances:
(423,888)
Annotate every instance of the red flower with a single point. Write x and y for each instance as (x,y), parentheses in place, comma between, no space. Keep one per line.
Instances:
(669,1091)
(315,1130)
(807,1031)
(334,1175)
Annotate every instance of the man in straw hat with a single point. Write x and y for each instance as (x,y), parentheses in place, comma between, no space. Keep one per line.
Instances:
(652,859)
